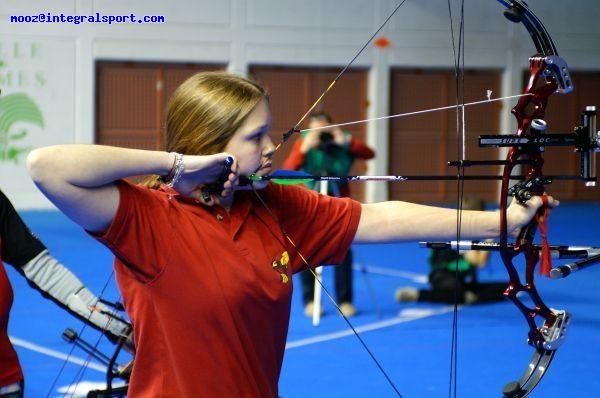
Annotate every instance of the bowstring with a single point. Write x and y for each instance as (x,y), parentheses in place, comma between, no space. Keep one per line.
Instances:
(288,238)
(339,75)
(327,292)
(459,69)
(78,377)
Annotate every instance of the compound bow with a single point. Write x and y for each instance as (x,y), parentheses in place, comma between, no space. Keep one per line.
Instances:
(549,74)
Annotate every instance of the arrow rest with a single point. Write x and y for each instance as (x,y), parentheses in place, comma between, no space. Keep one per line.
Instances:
(525,190)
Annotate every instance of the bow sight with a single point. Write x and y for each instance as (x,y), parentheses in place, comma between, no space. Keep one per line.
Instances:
(585,139)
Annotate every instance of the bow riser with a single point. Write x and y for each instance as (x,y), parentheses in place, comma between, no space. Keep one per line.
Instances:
(547,328)
(542,84)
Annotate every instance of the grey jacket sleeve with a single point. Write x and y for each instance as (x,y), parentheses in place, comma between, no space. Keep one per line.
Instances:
(59,284)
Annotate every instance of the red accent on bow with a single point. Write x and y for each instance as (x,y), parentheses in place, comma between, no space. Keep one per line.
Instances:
(542,221)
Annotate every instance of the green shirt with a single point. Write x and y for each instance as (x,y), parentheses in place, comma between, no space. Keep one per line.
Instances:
(328,159)
(448,259)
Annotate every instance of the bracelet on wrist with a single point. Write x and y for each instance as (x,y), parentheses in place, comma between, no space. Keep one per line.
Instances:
(176,171)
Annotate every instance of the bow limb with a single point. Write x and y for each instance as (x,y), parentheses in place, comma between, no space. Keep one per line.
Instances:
(121,340)
(548,75)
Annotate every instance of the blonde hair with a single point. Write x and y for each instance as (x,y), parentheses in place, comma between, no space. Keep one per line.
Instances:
(205,111)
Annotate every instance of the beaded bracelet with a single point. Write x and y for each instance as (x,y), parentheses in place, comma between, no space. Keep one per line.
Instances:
(176,171)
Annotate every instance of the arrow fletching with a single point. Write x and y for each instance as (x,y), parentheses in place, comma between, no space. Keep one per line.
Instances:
(286,177)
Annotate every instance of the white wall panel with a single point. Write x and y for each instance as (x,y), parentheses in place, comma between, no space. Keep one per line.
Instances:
(20,7)
(149,50)
(276,32)
(41,69)
(205,13)
(310,14)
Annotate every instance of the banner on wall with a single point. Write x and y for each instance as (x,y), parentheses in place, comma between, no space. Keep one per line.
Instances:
(36,108)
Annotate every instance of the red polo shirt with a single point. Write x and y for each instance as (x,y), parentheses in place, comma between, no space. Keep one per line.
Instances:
(209,292)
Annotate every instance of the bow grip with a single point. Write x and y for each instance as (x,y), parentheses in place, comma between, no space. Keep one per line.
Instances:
(528,232)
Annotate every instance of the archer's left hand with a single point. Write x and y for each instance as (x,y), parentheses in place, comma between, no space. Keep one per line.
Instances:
(519,214)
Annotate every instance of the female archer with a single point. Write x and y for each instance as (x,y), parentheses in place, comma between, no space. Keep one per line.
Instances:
(204,261)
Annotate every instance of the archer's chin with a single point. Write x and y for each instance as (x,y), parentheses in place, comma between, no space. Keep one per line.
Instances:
(259,184)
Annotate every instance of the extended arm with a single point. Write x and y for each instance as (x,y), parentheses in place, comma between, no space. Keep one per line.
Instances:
(402,221)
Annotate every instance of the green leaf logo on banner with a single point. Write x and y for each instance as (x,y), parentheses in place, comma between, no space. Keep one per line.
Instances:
(16,108)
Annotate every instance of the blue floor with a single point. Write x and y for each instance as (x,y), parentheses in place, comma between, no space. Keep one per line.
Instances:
(411,342)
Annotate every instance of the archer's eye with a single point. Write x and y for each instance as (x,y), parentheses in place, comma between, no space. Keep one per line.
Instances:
(259,134)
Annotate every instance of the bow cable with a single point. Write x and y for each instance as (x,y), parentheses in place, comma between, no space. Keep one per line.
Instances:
(285,138)
(296,128)
(419,112)
(78,377)
(327,292)
(459,69)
